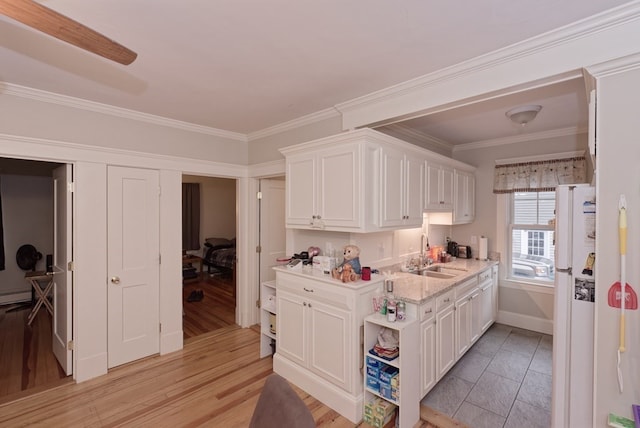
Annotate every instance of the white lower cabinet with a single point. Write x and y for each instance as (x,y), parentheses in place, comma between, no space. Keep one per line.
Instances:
(487,304)
(319,345)
(445,334)
(428,347)
(463,313)
(394,381)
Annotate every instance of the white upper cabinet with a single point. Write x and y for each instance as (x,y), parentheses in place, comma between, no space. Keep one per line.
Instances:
(439,187)
(464,202)
(324,188)
(402,181)
(365,181)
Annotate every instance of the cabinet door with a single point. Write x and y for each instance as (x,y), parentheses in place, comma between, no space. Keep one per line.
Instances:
(433,187)
(392,171)
(439,188)
(463,325)
(464,198)
(446,352)
(301,189)
(494,275)
(446,180)
(486,297)
(428,368)
(339,187)
(476,316)
(329,344)
(290,327)
(414,190)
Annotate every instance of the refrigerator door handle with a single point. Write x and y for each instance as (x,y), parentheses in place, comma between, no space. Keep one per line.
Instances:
(568,270)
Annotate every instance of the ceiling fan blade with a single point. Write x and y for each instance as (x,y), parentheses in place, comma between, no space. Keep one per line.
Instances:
(66,29)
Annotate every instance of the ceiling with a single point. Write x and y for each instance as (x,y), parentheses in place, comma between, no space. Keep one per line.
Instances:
(247,65)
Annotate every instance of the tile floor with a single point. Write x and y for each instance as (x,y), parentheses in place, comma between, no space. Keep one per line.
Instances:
(504,380)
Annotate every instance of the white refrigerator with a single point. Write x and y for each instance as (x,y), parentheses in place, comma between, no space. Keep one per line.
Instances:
(574,307)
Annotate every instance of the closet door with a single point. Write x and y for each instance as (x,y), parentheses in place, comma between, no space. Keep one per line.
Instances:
(62,303)
(133,290)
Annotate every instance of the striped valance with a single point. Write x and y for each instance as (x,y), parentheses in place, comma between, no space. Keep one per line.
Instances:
(539,176)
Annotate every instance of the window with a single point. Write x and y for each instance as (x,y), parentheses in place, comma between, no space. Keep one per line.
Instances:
(531,245)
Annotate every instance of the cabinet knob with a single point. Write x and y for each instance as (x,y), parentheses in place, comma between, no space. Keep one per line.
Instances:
(304,303)
(318,217)
(309,304)
(308,290)
(447,300)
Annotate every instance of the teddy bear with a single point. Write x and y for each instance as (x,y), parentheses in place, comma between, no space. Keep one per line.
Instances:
(351,265)
(347,274)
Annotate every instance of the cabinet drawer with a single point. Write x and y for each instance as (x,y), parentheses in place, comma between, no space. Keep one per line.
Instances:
(427,310)
(444,300)
(466,286)
(315,290)
(483,276)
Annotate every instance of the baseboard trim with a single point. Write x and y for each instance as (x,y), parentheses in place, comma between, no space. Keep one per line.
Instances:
(171,342)
(88,368)
(7,299)
(526,322)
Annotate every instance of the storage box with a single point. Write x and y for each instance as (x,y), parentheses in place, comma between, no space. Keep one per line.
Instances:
(370,407)
(373,372)
(373,383)
(387,373)
(372,362)
(383,408)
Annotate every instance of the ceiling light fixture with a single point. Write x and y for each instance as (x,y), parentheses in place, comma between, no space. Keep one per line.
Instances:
(523,114)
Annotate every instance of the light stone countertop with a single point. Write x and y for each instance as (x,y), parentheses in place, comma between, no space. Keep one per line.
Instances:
(413,288)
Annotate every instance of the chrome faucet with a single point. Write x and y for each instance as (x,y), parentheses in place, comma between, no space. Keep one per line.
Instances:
(424,260)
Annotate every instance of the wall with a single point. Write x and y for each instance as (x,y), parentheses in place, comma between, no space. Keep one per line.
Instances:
(27,213)
(264,147)
(617,173)
(519,304)
(217,206)
(59,121)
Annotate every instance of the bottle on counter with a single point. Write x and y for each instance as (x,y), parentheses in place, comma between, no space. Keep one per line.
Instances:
(401,309)
(391,311)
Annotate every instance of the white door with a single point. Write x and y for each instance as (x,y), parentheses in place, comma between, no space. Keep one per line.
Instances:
(133,290)
(272,229)
(62,239)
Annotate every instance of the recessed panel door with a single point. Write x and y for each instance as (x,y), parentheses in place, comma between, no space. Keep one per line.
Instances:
(133,264)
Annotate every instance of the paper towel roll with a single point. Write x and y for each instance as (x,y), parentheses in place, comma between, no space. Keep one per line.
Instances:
(482,249)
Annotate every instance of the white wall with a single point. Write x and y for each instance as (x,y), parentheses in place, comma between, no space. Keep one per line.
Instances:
(28,117)
(264,148)
(27,213)
(617,173)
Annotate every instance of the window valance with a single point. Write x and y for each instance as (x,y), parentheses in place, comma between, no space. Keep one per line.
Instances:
(539,176)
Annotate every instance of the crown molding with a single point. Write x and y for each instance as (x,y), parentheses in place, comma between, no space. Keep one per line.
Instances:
(295,123)
(579,29)
(618,65)
(67,101)
(516,139)
(418,136)
(67,152)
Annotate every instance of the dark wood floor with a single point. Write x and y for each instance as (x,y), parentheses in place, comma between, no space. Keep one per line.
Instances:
(216,310)
(28,364)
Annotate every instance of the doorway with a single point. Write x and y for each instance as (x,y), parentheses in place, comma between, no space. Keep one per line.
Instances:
(34,214)
(208,259)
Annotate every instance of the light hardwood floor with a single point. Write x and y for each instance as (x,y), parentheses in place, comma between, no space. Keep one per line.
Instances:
(216,310)
(214,381)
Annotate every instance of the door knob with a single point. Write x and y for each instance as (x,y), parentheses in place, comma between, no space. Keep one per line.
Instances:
(115,280)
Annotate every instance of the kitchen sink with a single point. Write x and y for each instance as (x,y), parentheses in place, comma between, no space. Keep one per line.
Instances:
(434,274)
(438,271)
